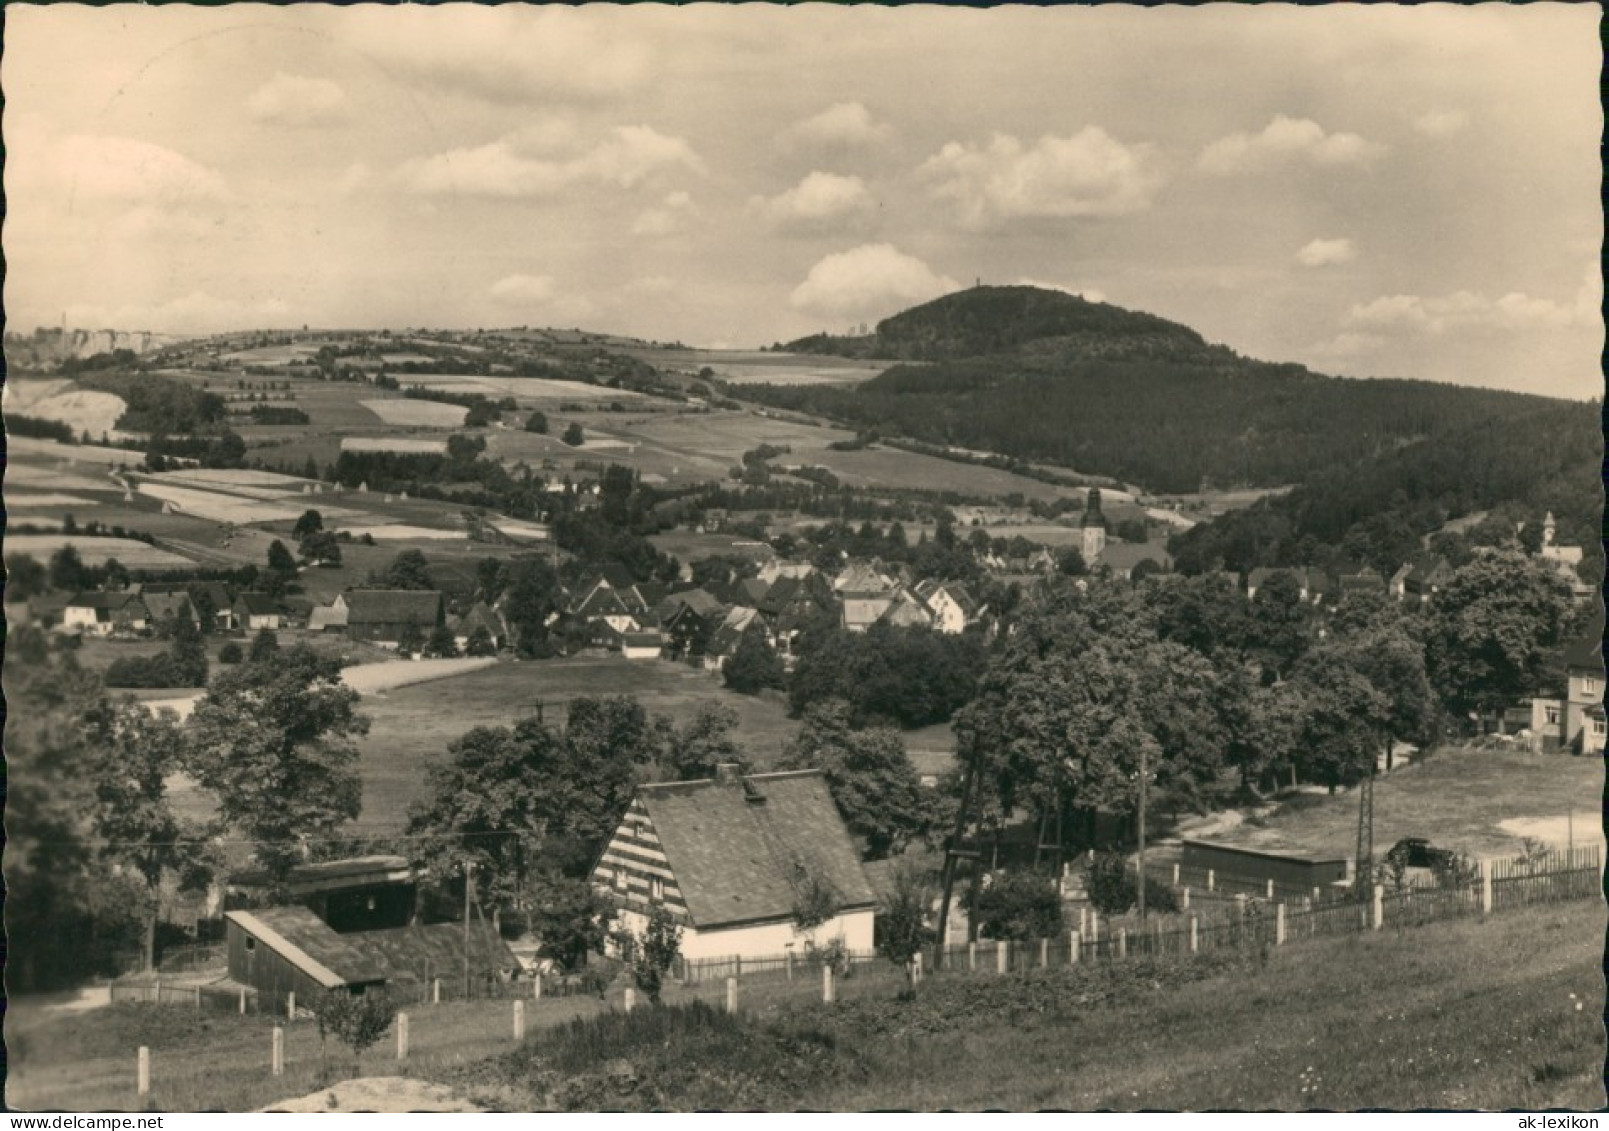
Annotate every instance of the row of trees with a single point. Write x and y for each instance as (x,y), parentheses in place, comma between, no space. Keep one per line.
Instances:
(1093,674)
(95,841)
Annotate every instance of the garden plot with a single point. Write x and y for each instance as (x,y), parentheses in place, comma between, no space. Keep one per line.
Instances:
(409,413)
(96,551)
(408,445)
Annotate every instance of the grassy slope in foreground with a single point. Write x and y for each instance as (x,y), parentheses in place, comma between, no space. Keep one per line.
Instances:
(1469,1014)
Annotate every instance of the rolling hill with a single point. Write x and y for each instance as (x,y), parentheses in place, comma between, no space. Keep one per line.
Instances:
(1375,464)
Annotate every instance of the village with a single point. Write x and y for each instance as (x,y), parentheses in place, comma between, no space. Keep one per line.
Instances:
(795,558)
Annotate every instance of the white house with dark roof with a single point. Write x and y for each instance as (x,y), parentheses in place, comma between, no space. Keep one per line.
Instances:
(732,858)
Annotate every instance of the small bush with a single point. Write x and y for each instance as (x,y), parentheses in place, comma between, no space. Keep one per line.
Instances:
(230,653)
(358,1021)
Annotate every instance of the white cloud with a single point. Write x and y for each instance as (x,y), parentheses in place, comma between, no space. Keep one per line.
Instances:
(542,297)
(846,124)
(868,280)
(821,201)
(1348,345)
(1326,253)
(356,176)
(1441,123)
(1285,140)
(1088,174)
(1466,311)
(195,313)
(126,169)
(296,100)
(525,164)
(513,53)
(671,216)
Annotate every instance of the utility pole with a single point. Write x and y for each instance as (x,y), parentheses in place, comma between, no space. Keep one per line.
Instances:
(952,851)
(1144,770)
(469,896)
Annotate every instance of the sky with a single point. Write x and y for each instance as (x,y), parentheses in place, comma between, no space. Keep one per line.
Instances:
(1368,190)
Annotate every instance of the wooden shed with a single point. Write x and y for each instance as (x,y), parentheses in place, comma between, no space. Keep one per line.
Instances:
(283,950)
(1287,869)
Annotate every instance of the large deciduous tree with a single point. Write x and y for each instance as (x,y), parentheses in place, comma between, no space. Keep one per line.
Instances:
(1494,631)
(274,743)
(873,783)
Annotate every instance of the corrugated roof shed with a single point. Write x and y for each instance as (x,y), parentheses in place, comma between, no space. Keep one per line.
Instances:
(739,849)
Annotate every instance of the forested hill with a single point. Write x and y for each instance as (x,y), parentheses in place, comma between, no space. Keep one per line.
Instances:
(1041,375)
(989,320)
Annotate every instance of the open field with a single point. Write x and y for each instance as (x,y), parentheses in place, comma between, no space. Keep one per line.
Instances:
(218,507)
(410,726)
(96,551)
(410,444)
(1458,797)
(742,367)
(417,414)
(93,456)
(536,391)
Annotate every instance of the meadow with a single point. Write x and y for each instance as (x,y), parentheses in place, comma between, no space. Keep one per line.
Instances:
(417,414)
(97,551)
(409,727)
(1458,797)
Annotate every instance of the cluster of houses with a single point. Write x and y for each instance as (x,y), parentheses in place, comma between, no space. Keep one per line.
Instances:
(706,622)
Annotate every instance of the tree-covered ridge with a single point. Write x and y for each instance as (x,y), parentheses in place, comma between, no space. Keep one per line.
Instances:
(1377,511)
(988,320)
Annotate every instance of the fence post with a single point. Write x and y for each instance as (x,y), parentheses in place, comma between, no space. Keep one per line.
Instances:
(156,989)
(972,956)
(1486,887)
(916,968)
(1122,942)
(402,1036)
(1095,927)
(290,1007)
(519,1020)
(1379,915)
(435,991)
(1185,904)
(142,1076)
(276,1064)
(788,963)
(1270,889)
(829,993)
(1195,942)
(739,970)
(243,1001)
(1075,943)
(1044,952)
(536,988)
(731,995)
(198,998)
(1083,921)
(1279,924)
(1318,897)
(1211,878)
(1002,956)
(1175,875)
(630,1001)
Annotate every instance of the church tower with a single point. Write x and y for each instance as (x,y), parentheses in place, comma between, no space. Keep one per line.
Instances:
(1094,525)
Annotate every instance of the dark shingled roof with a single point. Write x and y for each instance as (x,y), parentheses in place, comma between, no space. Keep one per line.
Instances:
(393,606)
(738,849)
(257,604)
(307,942)
(436,950)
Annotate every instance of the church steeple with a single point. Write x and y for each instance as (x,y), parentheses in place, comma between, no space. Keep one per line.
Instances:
(1094,528)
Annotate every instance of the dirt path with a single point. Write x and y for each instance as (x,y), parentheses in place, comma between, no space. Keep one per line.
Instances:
(378,1094)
